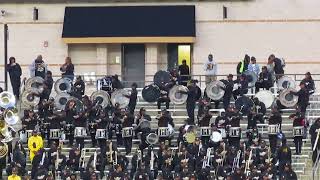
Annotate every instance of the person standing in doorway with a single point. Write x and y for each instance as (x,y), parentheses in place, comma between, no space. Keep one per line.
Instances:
(210,68)
(15,72)
(184,73)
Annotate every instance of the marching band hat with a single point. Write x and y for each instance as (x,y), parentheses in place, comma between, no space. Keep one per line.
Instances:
(230,75)
(308,73)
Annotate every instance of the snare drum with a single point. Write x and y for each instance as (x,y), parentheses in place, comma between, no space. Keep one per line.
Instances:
(223,132)
(234,132)
(298,131)
(273,129)
(127,132)
(80,132)
(101,134)
(163,132)
(205,131)
(55,134)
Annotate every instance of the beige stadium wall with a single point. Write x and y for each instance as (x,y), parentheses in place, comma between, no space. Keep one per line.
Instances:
(289,29)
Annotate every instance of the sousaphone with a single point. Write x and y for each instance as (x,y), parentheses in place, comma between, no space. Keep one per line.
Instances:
(176,96)
(214,90)
(7,100)
(287,99)
(119,97)
(266,97)
(63,85)
(151,93)
(35,83)
(251,77)
(60,101)
(30,97)
(286,82)
(101,98)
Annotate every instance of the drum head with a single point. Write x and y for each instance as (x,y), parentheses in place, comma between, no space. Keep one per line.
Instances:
(216,137)
(151,93)
(161,77)
(244,104)
(266,97)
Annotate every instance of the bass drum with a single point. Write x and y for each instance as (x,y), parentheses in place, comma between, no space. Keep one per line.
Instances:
(214,90)
(176,96)
(286,82)
(287,99)
(161,77)
(119,97)
(151,93)
(266,97)
(244,104)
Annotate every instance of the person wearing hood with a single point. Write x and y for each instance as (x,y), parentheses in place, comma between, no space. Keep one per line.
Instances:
(38,68)
(243,65)
(210,68)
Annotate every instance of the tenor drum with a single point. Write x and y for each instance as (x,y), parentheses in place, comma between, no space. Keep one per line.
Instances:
(216,136)
(163,132)
(55,134)
(101,134)
(273,129)
(298,131)
(205,131)
(127,132)
(80,132)
(222,132)
(234,132)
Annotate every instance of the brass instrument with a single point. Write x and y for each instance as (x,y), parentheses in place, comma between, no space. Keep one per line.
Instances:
(269,155)
(139,158)
(42,159)
(214,90)
(247,167)
(95,161)
(7,100)
(35,83)
(3,149)
(11,116)
(5,132)
(206,161)
(317,139)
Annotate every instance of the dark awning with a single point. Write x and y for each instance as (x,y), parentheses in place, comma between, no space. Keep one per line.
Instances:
(129,24)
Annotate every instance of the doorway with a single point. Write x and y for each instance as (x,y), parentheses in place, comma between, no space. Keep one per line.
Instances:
(177,53)
(133,64)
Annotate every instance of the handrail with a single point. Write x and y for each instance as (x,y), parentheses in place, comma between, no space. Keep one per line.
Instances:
(316,165)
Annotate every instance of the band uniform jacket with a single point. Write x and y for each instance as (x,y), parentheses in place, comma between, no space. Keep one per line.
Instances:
(165,120)
(117,125)
(275,118)
(266,77)
(309,85)
(205,121)
(303,96)
(30,122)
(35,143)
(228,89)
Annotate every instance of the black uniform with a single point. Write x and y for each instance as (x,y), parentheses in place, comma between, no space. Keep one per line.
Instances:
(80,122)
(257,114)
(264,81)
(184,74)
(309,84)
(274,119)
(78,88)
(133,100)
(205,122)
(116,126)
(298,121)
(48,84)
(228,90)
(234,122)
(68,72)
(100,163)
(303,99)
(164,121)
(40,70)
(74,159)
(128,121)
(284,156)
(278,67)
(191,101)
(243,88)
(15,74)
(164,91)
(69,128)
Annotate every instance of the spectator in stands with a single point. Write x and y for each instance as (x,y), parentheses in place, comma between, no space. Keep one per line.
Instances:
(303,98)
(38,68)
(308,81)
(67,69)
(243,65)
(278,66)
(15,72)
(210,68)
(265,80)
(253,66)
(184,73)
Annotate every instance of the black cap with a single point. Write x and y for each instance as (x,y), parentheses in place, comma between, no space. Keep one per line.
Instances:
(230,75)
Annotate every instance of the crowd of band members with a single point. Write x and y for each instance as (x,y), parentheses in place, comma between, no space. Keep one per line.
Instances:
(188,160)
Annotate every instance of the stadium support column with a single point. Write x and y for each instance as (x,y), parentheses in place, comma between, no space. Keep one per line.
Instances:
(5,56)
(151,61)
